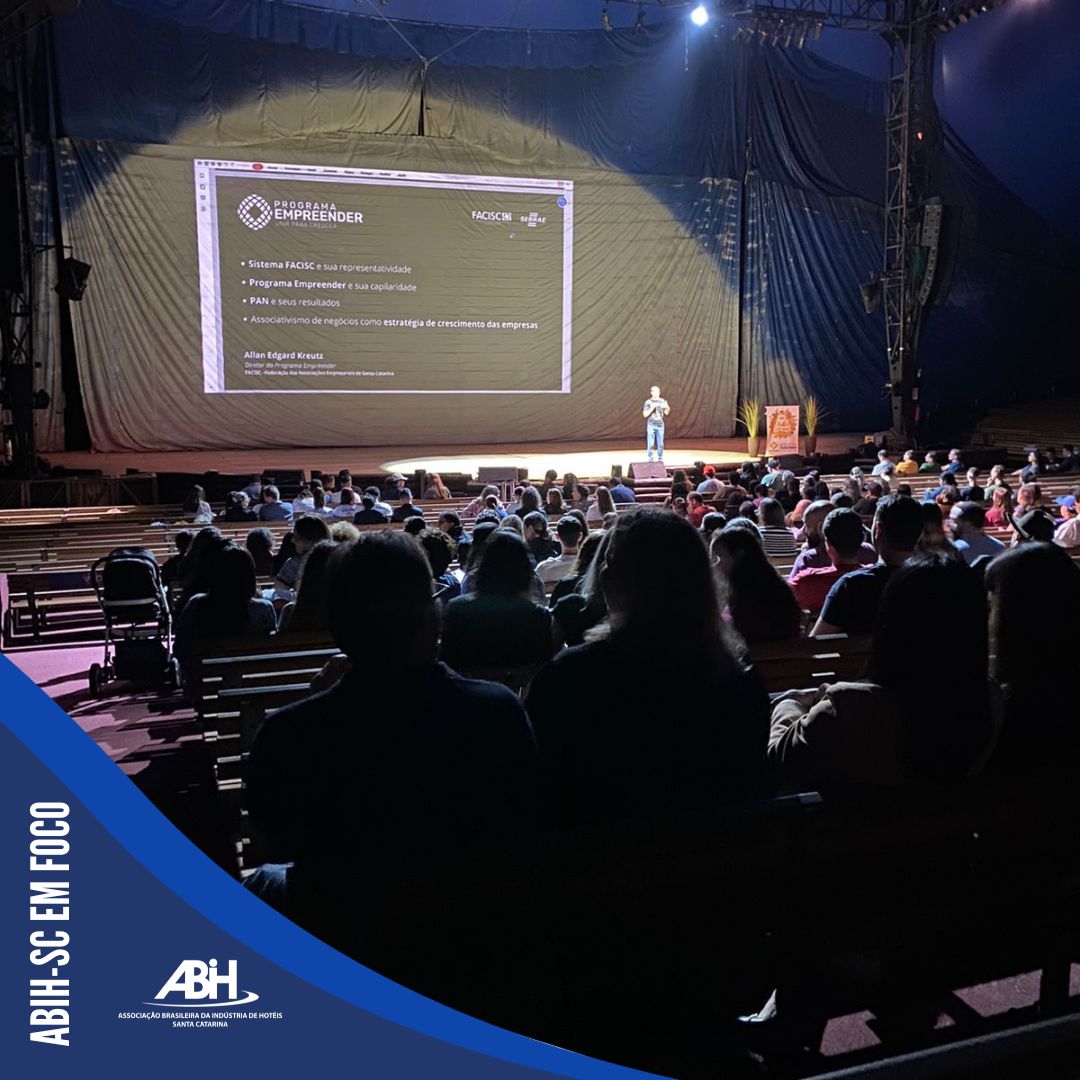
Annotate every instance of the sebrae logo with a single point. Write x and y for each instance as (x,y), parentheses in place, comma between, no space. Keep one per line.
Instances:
(199,981)
(254,211)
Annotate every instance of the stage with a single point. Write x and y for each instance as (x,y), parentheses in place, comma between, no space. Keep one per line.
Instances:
(586,459)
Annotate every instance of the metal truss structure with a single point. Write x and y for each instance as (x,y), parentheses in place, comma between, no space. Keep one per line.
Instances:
(913,137)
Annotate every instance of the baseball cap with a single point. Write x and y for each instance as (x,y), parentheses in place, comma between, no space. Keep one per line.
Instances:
(1068,501)
(774,463)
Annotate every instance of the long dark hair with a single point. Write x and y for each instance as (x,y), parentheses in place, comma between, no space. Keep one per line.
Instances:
(195,497)
(660,590)
(230,584)
(947,708)
(762,605)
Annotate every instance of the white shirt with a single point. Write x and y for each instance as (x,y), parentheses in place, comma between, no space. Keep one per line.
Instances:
(553,570)
(1068,533)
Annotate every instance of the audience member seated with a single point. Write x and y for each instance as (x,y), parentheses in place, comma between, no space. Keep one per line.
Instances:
(554,504)
(253,490)
(405,508)
(1028,586)
(260,546)
(712,521)
(1000,513)
(852,603)
(843,534)
(440,550)
(286,550)
(813,553)
(435,489)
(776,538)
(948,482)
(1033,469)
(307,532)
(1067,534)
(757,601)
(450,523)
(930,463)
(342,532)
(170,568)
(304,503)
(344,480)
(369,515)
(196,508)
(898,728)
(621,492)
(955,464)
(551,481)
(600,505)
(400,781)
(934,540)
(489,491)
(195,567)
(383,508)
(885,465)
(229,606)
(552,570)
(538,538)
(608,759)
(392,489)
(968,519)
(867,503)
(587,549)
(972,489)
(776,476)
(272,508)
(308,612)
(1031,522)
(414,526)
(907,466)
(238,508)
(347,506)
(709,484)
(498,625)
(680,485)
(695,509)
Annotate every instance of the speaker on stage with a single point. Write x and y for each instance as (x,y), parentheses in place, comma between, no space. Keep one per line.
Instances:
(648,470)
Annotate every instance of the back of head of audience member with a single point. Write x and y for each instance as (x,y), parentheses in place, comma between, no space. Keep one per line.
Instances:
(947,707)
(604,502)
(843,533)
(761,604)
(813,518)
(258,541)
(308,530)
(229,583)
(182,540)
(659,588)
(450,523)
(512,523)
(530,501)
(310,611)
(488,517)
(898,525)
(1034,596)
(771,514)
(343,531)
(933,539)
(482,532)
(207,540)
(1028,497)
(382,614)
(414,526)
(439,549)
(967,518)
(535,525)
(569,532)
(842,500)
(711,522)
(505,568)
(195,497)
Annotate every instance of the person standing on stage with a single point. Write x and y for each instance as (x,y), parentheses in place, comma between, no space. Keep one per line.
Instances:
(654,410)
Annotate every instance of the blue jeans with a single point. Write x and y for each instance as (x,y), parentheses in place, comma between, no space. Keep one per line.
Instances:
(654,433)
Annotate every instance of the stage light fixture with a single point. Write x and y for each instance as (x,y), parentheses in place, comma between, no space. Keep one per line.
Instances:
(72,276)
(700,15)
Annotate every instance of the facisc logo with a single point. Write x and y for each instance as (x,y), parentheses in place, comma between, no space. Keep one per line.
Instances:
(199,981)
(254,211)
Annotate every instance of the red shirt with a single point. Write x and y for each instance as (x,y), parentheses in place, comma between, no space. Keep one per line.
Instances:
(811,586)
(694,514)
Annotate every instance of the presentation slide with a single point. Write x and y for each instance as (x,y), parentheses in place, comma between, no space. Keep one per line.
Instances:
(316,279)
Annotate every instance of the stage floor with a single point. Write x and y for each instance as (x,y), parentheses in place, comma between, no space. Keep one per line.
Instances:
(585,458)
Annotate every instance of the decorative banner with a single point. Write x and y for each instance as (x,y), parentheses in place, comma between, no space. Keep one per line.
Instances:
(782,427)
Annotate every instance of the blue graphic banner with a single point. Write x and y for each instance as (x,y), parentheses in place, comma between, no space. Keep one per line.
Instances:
(126,952)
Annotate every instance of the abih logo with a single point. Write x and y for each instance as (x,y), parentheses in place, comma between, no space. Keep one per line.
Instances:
(199,981)
(254,211)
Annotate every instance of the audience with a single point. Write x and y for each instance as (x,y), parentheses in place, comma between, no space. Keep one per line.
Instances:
(757,601)
(843,534)
(552,570)
(968,519)
(404,780)
(1067,534)
(440,550)
(435,489)
(776,538)
(238,508)
(852,603)
(307,532)
(497,624)
(260,546)
(369,515)
(196,509)
(405,508)
(226,605)
(535,531)
(895,730)
(605,760)
(308,613)
(272,508)
(814,553)
(171,568)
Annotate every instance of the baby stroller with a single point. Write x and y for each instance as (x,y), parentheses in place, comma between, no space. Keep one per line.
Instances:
(138,628)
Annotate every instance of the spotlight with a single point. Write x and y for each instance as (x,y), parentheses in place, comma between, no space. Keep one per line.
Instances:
(700,15)
(72,276)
